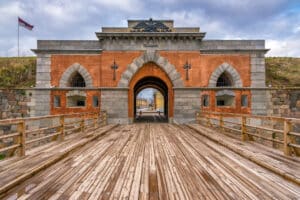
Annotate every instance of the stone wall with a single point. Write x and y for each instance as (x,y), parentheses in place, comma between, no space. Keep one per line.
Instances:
(284,103)
(115,103)
(14,103)
(186,103)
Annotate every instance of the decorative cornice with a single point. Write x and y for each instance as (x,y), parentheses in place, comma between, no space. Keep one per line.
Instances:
(67,51)
(215,51)
(149,35)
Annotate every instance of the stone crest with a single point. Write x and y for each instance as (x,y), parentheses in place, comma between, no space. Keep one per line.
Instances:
(150,26)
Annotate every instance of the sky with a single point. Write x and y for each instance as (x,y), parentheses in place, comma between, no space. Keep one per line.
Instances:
(146,93)
(276,21)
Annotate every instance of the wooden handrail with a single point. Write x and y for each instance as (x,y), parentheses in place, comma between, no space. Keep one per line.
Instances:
(88,121)
(289,143)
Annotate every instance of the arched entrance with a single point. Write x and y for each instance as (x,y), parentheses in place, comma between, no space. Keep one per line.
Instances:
(152,114)
(150,75)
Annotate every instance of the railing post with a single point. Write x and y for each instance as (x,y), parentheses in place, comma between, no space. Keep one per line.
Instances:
(104,118)
(62,127)
(82,123)
(21,130)
(96,116)
(221,122)
(208,120)
(286,138)
(243,128)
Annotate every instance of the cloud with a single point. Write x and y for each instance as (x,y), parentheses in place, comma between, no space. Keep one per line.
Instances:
(276,21)
(128,6)
(288,47)
(10,11)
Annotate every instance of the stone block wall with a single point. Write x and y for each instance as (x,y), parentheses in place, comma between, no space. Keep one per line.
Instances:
(284,103)
(14,103)
(115,103)
(186,103)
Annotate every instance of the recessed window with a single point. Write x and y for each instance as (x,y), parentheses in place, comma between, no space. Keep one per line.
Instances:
(225,100)
(95,101)
(244,101)
(76,101)
(76,80)
(57,101)
(205,100)
(224,80)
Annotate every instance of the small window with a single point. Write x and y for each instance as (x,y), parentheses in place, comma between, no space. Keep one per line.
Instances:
(56,101)
(76,101)
(225,100)
(220,102)
(205,101)
(244,101)
(95,101)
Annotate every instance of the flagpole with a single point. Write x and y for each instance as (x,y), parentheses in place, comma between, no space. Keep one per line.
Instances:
(18,40)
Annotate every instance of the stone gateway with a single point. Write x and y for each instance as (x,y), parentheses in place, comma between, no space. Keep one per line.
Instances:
(191,73)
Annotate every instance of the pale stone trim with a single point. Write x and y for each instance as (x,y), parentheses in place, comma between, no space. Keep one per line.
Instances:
(81,70)
(225,67)
(151,56)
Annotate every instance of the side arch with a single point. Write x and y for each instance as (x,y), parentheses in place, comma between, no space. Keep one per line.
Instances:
(76,67)
(151,56)
(225,67)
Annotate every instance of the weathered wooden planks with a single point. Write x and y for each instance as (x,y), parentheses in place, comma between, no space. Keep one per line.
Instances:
(152,161)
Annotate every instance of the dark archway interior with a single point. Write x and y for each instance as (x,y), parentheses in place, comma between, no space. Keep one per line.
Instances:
(76,80)
(224,80)
(156,83)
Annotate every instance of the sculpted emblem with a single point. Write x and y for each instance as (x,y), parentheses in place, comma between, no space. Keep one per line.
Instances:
(150,26)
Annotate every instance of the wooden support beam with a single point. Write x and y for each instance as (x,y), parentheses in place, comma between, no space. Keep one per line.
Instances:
(82,123)
(21,139)
(62,127)
(221,123)
(244,129)
(286,138)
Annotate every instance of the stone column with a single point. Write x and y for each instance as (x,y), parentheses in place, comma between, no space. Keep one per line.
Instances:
(258,79)
(186,103)
(115,102)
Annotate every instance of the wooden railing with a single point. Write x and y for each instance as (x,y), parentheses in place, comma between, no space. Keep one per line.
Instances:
(280,131)
(25,134)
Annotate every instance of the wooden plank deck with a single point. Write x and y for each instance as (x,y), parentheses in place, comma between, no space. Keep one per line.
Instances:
(152,161)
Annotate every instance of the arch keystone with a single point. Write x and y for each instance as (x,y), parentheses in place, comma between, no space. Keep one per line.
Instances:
(151,56)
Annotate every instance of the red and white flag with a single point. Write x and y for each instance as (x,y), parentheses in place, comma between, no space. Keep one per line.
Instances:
(24,24)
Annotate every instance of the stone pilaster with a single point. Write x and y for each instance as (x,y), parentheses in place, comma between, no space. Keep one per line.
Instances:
(115,102)
(43,70)
(186,103)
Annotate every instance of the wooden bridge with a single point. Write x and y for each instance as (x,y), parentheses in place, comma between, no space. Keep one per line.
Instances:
(222,156)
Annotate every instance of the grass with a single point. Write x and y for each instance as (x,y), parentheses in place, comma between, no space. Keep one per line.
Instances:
(2,156)
(17,72)
(283,71)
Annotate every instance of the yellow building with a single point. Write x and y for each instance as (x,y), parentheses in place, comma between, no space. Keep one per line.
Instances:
(141,103)
(158,101)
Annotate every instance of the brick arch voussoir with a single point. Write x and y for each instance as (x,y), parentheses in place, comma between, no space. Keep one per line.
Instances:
(225,67)
(151,56)
(76,67)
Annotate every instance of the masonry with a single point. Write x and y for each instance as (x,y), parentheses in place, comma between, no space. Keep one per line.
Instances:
(223,75)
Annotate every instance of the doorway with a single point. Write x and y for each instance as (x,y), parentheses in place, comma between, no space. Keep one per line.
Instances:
(150,100)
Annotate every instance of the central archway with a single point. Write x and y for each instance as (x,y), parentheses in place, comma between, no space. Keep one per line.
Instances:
(150,75)
(156,115)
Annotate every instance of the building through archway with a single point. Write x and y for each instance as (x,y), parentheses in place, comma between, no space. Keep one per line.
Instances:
(152,114)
